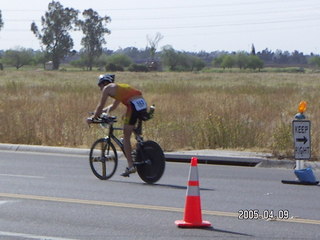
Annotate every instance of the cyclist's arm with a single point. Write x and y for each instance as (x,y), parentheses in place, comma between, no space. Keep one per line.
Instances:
(112,106)
(103,100)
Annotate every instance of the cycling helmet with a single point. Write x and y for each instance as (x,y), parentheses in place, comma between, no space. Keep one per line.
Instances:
(108,78)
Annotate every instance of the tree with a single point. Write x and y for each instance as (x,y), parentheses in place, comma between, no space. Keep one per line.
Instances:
(39,57)
(266,55)
(227,62)
(139,56)
(281,57)
(181,61)
(254,62)
(1,22)
(298,57)
(54,35)
(315,60)
(169,57)
(241,59)
(217,61)
(94,29)
(102,60)
(253,50)
(190,62)
(153,43)
(18,57)
(119,60)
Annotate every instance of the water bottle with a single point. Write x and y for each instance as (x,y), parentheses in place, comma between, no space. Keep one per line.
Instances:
(151,111)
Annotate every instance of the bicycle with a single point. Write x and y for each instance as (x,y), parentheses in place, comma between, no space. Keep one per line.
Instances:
(148,156)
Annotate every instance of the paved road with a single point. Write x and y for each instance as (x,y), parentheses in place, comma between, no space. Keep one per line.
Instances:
(55,196)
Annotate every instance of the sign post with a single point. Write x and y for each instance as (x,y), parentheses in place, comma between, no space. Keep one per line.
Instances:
(301,129)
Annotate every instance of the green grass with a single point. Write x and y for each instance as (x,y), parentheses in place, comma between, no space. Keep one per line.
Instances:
(229,110)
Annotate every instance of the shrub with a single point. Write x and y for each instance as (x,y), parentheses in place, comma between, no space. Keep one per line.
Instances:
(119,60)
(138,68)
(114,67)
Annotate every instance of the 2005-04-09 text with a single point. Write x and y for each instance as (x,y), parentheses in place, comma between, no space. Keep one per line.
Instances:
(254,214)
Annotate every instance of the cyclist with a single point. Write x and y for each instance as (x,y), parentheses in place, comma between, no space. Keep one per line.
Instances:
(136,109)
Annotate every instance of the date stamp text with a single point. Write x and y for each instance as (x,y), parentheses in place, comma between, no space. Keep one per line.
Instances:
(255,214)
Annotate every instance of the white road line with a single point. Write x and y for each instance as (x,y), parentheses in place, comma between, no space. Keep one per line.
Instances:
(48,153)
(31,236)
(3,202)
(21,176)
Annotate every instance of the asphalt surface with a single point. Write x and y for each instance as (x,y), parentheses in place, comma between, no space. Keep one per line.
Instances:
(55,196)
(218,157)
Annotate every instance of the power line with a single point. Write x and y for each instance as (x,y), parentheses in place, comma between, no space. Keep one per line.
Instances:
(222,25)
(297,20)
(145,8)
(172,7)
(297,10)
(268,29)
(294,10)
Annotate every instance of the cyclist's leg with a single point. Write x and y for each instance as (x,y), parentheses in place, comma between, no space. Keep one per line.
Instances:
(129,122)
(127,132)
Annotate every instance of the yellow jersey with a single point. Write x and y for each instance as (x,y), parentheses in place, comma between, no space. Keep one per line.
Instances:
(124,93)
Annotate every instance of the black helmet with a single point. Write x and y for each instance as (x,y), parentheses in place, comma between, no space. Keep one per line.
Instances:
(109,78)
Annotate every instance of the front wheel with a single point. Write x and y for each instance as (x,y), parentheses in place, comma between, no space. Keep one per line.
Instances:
(150,161)
(103,159)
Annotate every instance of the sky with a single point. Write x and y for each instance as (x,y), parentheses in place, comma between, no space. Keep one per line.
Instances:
(186,25)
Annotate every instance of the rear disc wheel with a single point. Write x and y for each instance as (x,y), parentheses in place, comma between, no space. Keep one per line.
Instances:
(150,161)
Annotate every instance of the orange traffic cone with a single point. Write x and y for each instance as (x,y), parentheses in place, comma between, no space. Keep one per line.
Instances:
(192,212)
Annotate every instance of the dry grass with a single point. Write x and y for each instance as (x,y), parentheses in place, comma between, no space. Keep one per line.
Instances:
(245,111)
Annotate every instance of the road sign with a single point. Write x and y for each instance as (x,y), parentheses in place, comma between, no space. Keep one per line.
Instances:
(302,139)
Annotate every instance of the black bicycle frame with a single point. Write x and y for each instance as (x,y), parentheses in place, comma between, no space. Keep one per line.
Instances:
(137,131)
(114,138)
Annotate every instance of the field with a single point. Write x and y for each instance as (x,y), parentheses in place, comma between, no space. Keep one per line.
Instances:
(239,111)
